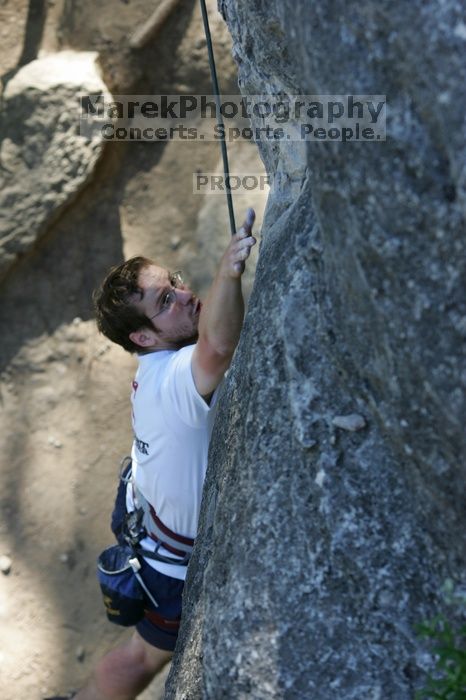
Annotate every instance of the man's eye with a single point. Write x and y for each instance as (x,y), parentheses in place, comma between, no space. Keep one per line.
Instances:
(166,300)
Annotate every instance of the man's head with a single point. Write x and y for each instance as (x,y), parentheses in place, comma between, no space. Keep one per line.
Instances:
(143,307)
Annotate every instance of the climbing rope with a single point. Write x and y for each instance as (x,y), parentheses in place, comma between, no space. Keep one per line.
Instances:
(220,123)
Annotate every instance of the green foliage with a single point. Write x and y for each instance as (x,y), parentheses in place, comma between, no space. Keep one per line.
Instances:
(448,680)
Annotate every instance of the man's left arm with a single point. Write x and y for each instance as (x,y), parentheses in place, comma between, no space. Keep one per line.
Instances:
(221,317)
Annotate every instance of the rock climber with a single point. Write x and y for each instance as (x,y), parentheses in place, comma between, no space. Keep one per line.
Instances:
(184,348)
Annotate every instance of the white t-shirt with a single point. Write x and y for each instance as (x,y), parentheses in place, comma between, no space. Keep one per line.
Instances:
(172,426)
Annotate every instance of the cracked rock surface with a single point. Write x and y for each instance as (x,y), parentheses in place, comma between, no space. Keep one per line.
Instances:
(321,546)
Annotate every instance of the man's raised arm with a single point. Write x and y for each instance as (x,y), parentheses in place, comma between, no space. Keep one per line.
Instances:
(221,317)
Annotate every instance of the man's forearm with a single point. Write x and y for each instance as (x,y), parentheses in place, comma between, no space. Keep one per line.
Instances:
(222,316)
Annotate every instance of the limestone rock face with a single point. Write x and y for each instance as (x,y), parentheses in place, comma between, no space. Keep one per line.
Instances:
(333,510)
(44,160)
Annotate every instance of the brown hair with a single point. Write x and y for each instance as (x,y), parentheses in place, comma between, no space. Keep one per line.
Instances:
(116,316)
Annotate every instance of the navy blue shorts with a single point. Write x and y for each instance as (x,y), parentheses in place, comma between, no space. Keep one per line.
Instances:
(160,625)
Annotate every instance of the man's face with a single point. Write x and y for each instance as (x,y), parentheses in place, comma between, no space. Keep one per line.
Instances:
(172,311)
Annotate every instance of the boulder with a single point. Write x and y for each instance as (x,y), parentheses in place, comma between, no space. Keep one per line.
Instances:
(334,498)
(45,160)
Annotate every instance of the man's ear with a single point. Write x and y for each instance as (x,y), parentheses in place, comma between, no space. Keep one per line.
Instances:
(144,338)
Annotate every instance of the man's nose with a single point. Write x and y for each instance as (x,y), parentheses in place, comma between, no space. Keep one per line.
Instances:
(183,295)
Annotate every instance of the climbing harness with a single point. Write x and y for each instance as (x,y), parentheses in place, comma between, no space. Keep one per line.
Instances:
(223,145)
(118,567)
(143,522)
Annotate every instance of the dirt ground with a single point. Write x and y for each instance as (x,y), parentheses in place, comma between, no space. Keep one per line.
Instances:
(63,388)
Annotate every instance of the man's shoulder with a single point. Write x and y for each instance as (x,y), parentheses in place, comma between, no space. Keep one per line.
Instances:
(164,365)
(158,357)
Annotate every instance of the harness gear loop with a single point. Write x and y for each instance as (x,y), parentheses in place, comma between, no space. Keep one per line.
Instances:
(136,566)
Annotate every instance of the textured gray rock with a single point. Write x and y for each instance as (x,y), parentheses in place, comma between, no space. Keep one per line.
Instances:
(320,548)
(44,161)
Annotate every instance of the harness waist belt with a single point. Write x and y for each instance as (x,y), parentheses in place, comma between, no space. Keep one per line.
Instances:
(179,545)
(157,531)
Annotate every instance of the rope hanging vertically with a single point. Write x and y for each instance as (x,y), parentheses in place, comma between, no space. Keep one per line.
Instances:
(220,123)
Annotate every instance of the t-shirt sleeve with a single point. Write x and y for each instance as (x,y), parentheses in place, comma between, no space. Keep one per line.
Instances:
(180,398)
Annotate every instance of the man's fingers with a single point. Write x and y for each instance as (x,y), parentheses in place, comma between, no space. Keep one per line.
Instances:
(243,251)
(248,223)
(241,244)
(250,218)
(246,242)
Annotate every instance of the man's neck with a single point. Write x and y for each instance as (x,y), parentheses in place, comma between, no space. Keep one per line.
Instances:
(170,346)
